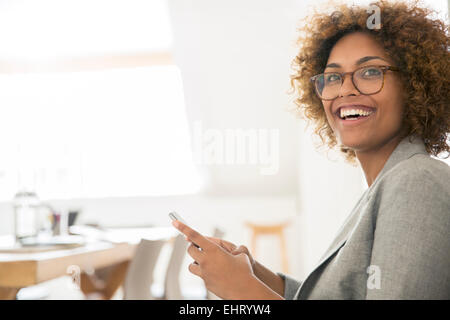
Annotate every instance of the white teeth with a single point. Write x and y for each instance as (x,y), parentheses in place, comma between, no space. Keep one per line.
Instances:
(348,112)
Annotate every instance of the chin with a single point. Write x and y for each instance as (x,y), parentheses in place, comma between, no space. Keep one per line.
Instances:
(355,143)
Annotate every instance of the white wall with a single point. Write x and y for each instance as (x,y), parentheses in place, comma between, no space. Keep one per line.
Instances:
(234,58)
(328,190)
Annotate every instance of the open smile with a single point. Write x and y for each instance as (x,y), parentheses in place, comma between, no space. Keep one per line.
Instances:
(354,114)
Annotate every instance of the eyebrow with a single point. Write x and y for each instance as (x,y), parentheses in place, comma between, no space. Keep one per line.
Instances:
(360,61)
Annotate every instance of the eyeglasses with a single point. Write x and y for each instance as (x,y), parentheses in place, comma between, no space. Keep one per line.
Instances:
(367,80)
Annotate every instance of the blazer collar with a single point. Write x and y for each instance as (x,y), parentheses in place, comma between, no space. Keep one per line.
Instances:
(409,146)
(404,150)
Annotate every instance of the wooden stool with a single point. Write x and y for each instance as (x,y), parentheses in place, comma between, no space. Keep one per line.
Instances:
(270,229)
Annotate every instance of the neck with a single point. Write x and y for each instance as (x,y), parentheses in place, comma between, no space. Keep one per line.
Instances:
(372,161)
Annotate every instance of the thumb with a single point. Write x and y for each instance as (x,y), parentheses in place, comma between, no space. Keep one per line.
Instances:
(240,249)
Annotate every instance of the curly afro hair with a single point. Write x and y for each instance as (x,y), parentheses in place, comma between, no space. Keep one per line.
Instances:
(418,44)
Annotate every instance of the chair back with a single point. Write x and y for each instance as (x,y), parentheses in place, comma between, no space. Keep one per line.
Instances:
(172,289)
(139,276)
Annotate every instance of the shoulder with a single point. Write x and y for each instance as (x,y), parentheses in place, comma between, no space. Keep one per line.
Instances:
(411,223)
(416,189)
(418,174)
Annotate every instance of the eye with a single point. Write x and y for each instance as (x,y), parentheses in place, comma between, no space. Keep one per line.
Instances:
(332,78)
(371,72)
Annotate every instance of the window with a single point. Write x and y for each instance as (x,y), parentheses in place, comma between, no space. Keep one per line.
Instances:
(98,111)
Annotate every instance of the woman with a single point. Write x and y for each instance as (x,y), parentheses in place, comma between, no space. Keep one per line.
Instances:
(381,96)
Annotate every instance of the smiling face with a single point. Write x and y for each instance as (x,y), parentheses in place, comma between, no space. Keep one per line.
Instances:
(351,52)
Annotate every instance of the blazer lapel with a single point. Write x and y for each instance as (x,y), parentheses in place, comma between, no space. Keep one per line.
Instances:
(403,151)
(341,238)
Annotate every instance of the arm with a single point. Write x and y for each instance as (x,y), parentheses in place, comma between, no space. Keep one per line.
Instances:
(258,290)
(411,248)
(272,280)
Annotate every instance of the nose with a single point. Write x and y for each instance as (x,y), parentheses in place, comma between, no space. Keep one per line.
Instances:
(347,87)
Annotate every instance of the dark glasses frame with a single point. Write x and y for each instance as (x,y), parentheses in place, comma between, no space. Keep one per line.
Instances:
(383,69)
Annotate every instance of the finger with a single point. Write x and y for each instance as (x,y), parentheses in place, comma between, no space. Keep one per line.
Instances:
(189,240)
(240,249)
(224,244)
(215,240)
(193,235)
(227,245)
(195,269)
(195,253)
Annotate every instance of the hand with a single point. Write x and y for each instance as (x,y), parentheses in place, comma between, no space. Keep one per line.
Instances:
(229,276)
(233,249)
(268,277)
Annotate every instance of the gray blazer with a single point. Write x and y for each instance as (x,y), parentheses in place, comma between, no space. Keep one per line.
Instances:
(395,244)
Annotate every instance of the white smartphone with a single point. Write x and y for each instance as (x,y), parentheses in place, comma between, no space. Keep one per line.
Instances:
(175,216)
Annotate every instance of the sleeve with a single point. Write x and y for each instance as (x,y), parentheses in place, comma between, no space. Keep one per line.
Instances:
(411,247)
(291,286)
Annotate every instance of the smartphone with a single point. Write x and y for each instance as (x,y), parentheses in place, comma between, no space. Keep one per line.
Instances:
(175,216)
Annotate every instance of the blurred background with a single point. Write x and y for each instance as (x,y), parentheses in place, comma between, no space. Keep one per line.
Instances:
(124,111)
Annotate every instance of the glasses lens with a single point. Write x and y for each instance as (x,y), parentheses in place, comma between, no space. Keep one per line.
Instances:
(368,80)
(328,84)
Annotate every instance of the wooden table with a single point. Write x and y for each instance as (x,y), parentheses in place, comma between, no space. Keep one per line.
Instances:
(102,265)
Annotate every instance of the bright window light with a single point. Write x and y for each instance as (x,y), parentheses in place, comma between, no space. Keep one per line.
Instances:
(43,29)
(91,132)
(119,132)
